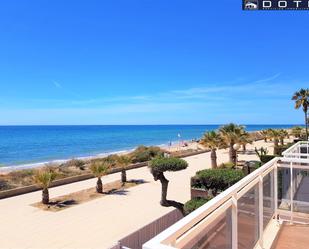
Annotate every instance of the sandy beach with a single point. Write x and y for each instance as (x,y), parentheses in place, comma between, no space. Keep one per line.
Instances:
(101,222)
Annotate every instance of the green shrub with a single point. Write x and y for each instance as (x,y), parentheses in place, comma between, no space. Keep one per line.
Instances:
(216,179)
(194,204)
(266,158)
(144,154)
(162,164)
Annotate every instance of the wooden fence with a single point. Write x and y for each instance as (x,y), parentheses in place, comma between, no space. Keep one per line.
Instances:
(136,239)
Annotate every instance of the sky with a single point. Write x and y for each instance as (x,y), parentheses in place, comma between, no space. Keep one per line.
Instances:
(149,62)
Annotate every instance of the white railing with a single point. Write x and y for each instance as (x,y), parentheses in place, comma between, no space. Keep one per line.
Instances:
(298,150)
(237,217)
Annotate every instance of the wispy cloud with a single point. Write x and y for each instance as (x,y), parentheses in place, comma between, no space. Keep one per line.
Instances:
(269,78)
(211,93)
(57,84)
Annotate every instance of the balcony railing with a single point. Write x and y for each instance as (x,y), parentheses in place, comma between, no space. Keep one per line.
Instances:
(298,150)
(238,217)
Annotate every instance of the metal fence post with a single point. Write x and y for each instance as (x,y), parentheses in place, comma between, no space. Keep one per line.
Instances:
(234,223)
(276,190)
(291,190)
(261,226)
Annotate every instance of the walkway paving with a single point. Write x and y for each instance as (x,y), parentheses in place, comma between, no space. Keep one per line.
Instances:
(101,222)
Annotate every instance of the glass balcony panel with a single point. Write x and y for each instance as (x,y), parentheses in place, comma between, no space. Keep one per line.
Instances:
(217,235)
(301,191)
(248,219)
(284,178)
(268,198)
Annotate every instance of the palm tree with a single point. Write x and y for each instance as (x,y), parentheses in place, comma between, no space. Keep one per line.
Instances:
(275,135)
(297,131)
(123,161)
(231,134)
(302,100)
(245,139)
(44,178)
(265,135)
(99,169)
(282,135)
(212,140)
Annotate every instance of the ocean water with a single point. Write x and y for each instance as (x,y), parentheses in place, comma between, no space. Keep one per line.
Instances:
(21,145)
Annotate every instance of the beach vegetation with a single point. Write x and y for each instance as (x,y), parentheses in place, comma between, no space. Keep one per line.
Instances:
(301,99)
(158,166)
(213,141)
(144,153)
(78,163)
(194,204)
(99,169)
(44,178)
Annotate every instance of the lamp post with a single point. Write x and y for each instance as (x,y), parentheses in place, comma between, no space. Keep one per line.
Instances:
(236,148)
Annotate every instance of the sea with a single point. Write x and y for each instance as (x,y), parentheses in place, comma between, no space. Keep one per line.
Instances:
(31,145)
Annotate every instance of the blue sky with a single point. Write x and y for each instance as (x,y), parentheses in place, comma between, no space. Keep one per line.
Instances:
(149,62)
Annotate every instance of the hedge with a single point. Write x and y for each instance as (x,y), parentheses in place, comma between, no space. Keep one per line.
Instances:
(194,204)
(216,179)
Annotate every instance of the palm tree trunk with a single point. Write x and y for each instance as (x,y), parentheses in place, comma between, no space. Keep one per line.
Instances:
(232,154)
(276,146)
(265,139)
(213,156)
(123,176)
(306,123)
(45,196)
(281,141)
(244,147)
(99,187)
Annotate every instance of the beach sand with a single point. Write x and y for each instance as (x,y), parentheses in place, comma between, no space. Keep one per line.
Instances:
(101,222)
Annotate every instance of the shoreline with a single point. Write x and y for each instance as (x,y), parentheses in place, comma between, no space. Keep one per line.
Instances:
(6,169)
(176,145)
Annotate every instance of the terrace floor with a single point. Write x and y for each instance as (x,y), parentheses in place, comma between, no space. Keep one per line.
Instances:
(292,237)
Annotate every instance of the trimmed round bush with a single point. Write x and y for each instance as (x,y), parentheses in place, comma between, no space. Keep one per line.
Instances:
(216,179)
(162,164)
(194,204)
